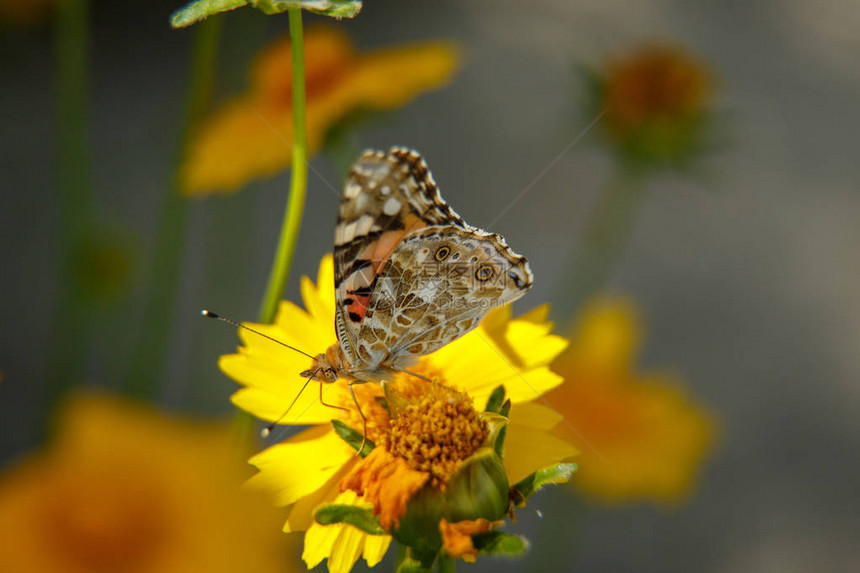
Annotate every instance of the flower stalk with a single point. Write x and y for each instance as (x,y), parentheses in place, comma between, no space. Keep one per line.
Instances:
(151,351)
(605,238)
(280,271)
(72,313)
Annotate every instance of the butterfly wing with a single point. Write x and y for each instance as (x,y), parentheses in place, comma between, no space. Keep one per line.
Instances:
(410,274)
(436,286)
(387,196)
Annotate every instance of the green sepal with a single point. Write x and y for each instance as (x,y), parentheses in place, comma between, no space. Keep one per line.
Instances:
(352,438)
(496,399)
(416,561)
(202,9)
(359,517)
(478,489)
(526,487)
(500,544)
(498,426)
(505,410)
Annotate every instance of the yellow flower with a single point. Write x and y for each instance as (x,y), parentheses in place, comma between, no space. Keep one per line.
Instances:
(656,102)
(318,467)
(651,436)
(125,489)
(248,138)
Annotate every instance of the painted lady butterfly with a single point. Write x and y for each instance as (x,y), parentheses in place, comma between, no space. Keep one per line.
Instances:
(410,274)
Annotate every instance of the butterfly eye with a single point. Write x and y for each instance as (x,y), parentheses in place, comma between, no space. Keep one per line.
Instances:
(484,273)
(442,253)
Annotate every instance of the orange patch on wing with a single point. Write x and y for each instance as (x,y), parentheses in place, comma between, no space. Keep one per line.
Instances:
(359,305)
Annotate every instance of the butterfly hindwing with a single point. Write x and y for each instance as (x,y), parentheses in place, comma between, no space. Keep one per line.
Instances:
(438,284)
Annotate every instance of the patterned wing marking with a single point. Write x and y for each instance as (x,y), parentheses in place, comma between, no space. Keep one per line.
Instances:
(438,284)
(386,196)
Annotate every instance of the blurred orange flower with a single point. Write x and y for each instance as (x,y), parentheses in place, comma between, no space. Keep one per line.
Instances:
(249,137)
(123,488)
(656,102)
(651,436)
(25,12)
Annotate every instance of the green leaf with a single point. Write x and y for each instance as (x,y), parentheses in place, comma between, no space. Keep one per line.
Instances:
(496,399)
(500,544)
(558,473)
(359,517)
(352,438)
(202,9)
(334,8)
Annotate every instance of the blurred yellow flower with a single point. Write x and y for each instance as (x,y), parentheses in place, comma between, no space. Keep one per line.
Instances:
(652,437)
(319,466)
(249,138)
(656,102)
(123,489)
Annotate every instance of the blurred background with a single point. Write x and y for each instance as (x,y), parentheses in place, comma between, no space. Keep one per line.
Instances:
(746,272)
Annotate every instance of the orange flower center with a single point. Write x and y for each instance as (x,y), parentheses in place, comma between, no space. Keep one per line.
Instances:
(655,83)
(434,431)
(432,428)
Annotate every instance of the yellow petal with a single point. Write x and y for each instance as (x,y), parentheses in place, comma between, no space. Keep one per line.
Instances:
(608,336)
(391,78)
(251,137)
(533,342)
(243,141)
(271,372)
(273,393)
(651,436)
(328,53)
(347,548)
(318,298)
(375,547)
(301,516)
(478,365)
(343,544)
(528,445)
(318,451)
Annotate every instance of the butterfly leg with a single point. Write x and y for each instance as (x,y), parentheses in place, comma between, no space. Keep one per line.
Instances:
(363,419)
(404,370)
(324,403)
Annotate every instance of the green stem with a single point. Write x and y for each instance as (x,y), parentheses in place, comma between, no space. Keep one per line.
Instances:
(73,312)
(446,564)
(298,185)
(604,241)
(147,365)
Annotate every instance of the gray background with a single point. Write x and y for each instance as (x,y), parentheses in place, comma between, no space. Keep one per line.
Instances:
(749,280)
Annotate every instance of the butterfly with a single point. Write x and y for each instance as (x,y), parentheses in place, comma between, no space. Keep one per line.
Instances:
(410,274)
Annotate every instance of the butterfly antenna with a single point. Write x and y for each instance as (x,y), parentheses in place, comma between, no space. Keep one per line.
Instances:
(210,314)
(267,431)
